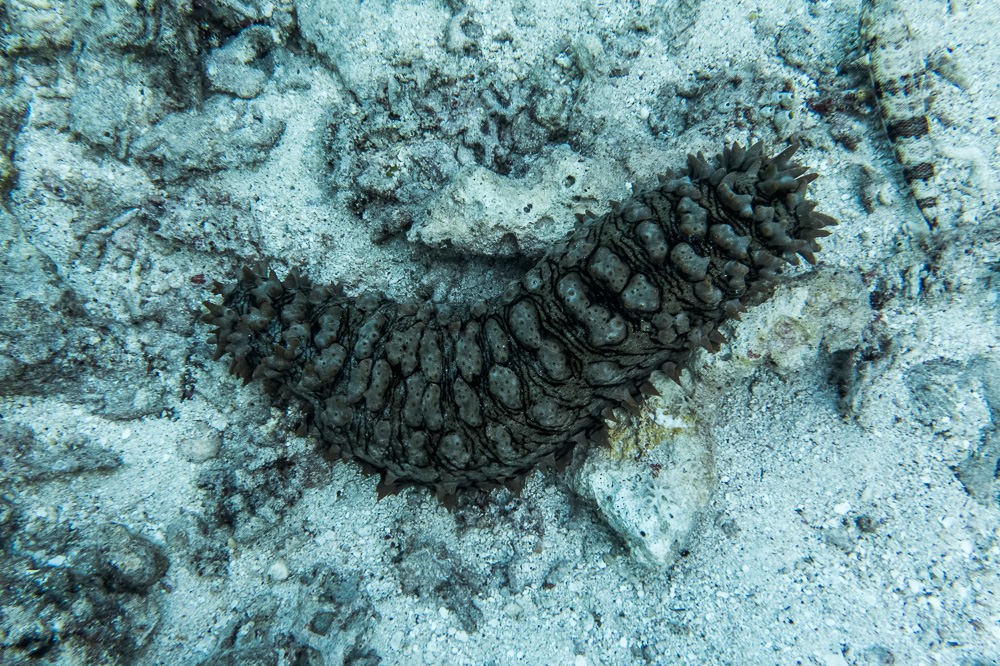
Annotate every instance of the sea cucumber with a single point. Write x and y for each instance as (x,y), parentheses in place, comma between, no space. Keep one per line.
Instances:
(476,395)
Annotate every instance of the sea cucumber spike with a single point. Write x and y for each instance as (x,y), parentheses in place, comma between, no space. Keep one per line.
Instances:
(453,396)
(781,159)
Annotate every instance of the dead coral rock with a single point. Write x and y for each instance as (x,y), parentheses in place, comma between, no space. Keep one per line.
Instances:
(116,96)
(366,41)
(33,460)
(825,312)
(13,111)
(236,68)
(37,313)
(32,27)
(980,472)
(226,134)
(327,620)
(483,212)
(430,569)
(254,481)
(654,484)
(960,404)
(80,591)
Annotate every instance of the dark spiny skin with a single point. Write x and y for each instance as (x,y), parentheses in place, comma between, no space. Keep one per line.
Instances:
(452,396)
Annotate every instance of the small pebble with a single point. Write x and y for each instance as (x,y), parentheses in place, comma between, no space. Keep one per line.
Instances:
(278,571)
(201,447)
(513,609)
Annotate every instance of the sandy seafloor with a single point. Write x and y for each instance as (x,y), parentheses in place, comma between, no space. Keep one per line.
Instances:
(839,499)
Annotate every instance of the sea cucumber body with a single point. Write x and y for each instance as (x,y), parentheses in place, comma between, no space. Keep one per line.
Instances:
(453,396)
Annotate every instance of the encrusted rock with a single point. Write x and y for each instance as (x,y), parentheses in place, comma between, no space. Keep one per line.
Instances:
(226,133)
(233,68)
(75,593)
(654,483)
(482,212)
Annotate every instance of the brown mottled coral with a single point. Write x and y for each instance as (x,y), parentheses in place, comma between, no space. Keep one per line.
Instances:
(452,396)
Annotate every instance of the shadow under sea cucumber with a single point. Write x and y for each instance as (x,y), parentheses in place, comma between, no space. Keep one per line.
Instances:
(477,395)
